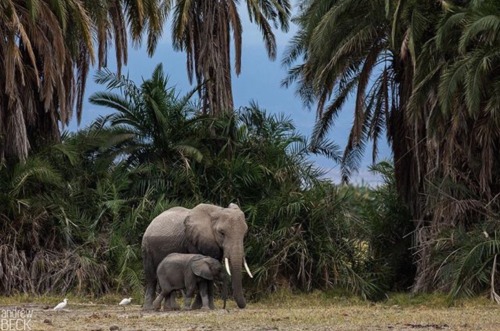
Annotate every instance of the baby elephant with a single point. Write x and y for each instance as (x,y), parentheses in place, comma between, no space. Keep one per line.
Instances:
(190,272)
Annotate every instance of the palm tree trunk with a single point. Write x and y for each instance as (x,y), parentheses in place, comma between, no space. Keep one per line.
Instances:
(214,58)
(14,143)
(44,130)
(411,156)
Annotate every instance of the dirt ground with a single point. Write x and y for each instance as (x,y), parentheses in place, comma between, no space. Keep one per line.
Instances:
(262,316)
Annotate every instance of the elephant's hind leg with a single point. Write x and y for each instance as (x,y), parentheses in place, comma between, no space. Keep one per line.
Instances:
(172,303)
(188,296)
(157,303)
(150,278)
(197,304)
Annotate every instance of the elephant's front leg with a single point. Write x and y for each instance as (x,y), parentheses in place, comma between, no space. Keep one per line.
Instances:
(210,289)
(203,291)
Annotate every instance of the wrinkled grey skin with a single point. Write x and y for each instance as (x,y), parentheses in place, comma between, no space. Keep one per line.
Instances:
(206,229)
(190,272)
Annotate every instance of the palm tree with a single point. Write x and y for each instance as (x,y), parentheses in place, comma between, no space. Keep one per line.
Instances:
(428,76)
(367,49)
(154,129)
(37,69)
(203,29)
(456,84)
(352,48)
(48,47)
(460,68)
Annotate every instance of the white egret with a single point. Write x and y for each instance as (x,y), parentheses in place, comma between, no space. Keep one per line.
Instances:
(61,305)
(125,302)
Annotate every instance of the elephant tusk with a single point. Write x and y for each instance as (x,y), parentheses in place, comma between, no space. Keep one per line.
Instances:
(247,268)
(226,263)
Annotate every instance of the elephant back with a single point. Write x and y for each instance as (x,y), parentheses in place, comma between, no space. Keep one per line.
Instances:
(165,234)
(176,259)
(167,222)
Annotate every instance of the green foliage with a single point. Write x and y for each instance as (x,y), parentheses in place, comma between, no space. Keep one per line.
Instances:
(468,261)
(306,239)
(389,231)
(68,221)
(98,190)
(154,122)
(425,73)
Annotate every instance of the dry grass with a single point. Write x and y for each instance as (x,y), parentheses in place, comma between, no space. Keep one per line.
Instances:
(279,312)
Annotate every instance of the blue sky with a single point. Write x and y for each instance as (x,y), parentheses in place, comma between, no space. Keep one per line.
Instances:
(259,81)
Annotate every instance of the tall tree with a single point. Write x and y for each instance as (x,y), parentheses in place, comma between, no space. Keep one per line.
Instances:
(366,49)
(36,66)
(48,47)
(456,93)
(203,29)
(426,72)
(352,48)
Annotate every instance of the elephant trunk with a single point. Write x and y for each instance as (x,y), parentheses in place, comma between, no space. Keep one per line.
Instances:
(224,290)
(236,264)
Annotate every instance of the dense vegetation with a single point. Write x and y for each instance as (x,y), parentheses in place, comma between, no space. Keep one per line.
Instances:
(73,214)
(74,205)
(426,73)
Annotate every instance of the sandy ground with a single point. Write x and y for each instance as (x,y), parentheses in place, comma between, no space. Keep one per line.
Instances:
(254,317)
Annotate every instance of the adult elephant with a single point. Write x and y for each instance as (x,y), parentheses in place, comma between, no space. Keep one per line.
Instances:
(206,229)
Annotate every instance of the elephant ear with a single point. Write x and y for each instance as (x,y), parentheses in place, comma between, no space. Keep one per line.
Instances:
(200,268)
(199,233)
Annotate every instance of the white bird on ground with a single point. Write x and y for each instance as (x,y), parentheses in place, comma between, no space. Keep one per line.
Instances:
(61,305)
(125,302)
